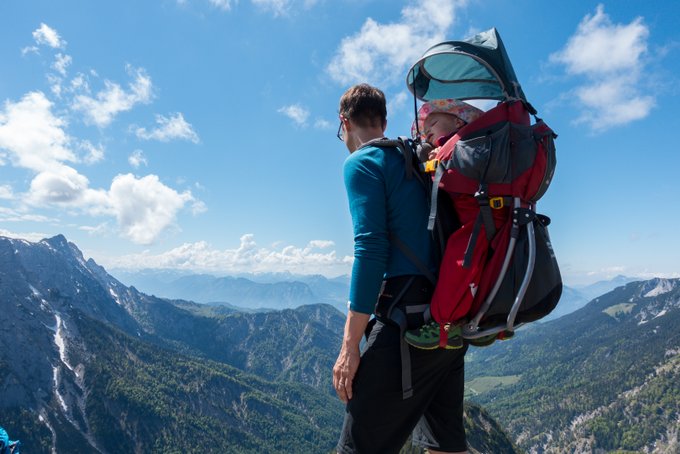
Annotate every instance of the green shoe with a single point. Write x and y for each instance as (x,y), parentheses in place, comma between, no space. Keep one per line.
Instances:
(427,337)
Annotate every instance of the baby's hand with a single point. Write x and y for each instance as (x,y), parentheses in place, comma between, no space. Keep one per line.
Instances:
(433,154)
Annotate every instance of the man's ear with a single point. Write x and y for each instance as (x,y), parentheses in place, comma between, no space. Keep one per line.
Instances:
(384,126)
(347,123)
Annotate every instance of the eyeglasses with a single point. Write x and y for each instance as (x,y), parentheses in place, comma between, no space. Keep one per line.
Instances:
(339,134)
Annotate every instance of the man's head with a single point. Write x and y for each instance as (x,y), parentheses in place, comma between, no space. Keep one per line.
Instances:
(443,117)
(363,115)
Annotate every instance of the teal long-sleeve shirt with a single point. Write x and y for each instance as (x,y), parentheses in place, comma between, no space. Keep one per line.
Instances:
(383,201)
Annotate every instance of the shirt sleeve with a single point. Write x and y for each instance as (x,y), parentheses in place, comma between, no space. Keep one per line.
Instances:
(365,184)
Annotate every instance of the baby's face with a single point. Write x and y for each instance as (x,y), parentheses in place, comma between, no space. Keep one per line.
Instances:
(439,124)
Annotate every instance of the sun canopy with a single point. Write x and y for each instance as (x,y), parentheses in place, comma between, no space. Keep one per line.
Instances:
(476,68)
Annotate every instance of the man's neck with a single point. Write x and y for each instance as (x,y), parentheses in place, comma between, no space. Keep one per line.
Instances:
(365,135)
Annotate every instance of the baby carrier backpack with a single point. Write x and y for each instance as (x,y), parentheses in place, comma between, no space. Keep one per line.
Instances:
(497,266)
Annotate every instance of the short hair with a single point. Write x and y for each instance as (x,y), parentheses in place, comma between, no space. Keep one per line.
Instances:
(365,105)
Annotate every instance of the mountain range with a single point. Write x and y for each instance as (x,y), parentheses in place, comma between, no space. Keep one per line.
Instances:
(245,291)
(605,378)
(267,291)
(574,298)
(89,364)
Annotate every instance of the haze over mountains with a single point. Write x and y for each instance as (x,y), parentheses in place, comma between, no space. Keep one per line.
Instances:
(246,291)
(91,365)
(286,290)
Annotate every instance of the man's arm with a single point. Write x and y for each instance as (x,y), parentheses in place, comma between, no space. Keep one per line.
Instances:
(348,360)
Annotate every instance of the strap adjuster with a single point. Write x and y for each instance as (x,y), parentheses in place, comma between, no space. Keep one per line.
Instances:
(431,166)
(496,203)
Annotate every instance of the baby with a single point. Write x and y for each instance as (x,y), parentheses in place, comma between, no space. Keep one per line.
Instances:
(437,122)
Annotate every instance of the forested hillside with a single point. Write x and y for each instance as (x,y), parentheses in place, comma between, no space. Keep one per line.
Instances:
(606,377)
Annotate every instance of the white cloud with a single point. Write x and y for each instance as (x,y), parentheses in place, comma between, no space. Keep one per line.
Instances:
(33,136)
(295,112)
(398,101)
(611,57)
(175,127)
(62,186)
(11,215)
(6,192)
(379,53)
(145,207)
(247,257)
(97,230)
(277,7)
(93,154)
(321,123)
(80,83)
(113,100)
(48,36)
(61,62)
(29,50)
(33,237)
(224,5)
(55,84)
(137,158)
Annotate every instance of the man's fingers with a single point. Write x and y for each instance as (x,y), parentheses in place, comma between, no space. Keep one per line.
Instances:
(341,391)
(348,389)
(343,388)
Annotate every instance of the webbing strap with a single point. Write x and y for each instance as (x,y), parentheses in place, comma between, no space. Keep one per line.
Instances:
(408,252)
(433,197)
(467,258)
(405,147)
(397,315)
(482,196)
(484,217)
(417,308)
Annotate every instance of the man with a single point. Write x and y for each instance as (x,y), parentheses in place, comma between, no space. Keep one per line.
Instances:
(386,205)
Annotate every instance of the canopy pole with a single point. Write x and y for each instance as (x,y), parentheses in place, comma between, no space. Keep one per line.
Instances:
(415,104)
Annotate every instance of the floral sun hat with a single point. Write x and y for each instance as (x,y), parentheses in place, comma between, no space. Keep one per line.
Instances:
(460,109)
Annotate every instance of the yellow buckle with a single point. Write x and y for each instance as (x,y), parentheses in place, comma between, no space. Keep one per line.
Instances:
(496,203)
(431,166)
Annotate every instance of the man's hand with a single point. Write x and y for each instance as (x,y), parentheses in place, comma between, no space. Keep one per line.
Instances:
(344,371)
(348,360)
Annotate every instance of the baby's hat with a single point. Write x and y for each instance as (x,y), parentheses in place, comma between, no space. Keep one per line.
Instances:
(460,109)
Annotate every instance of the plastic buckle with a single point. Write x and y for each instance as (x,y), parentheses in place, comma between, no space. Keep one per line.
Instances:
(431,166)
(496,203)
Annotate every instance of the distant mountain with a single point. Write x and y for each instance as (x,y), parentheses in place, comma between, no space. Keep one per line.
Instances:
(570,301)
(90,365)
(247,291)
(574,298)
(605,378)
(599,288)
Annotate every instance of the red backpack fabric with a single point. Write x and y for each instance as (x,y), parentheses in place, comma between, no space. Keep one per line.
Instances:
(493,171)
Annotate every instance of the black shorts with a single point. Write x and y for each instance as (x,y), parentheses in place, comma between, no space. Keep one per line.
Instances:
(379,420)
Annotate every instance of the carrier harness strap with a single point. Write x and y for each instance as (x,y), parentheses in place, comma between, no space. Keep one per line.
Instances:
(398,316)
(439,173)
(408,252)
(401,143)
(484,217)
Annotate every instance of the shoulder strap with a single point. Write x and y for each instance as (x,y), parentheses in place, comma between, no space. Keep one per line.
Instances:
(408,252)
(412,168)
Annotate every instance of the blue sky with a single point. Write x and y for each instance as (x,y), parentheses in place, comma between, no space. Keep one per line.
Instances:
(200,134)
